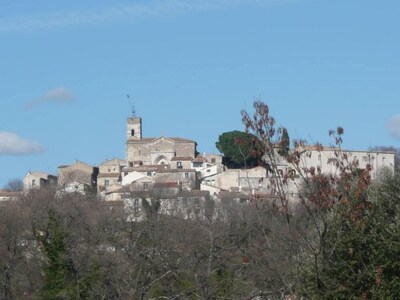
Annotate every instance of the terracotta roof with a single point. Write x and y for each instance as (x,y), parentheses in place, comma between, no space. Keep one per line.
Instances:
(166,185)
(199,159)
(183,158)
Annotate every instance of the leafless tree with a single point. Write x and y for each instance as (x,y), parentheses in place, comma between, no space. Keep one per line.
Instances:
(14,185)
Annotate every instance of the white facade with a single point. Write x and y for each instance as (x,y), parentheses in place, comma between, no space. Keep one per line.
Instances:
(36,180)
(317,158)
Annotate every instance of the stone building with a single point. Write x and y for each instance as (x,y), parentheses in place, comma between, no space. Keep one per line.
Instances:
(78,173)
(9,196)
(155,151)
(110,173)
(321,158)
(37,180)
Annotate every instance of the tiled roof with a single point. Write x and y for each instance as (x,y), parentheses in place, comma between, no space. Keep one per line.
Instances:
(166,185)
(199,159)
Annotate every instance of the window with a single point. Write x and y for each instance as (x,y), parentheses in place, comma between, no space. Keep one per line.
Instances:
(145,186)
(197,164)
(186,175)
(179,165)
(33,182)
(213,160)
(131,164)
(148,173)
(132,132)
(106,182)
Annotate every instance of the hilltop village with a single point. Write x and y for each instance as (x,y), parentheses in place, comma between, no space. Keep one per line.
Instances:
(170,168)
(167,222)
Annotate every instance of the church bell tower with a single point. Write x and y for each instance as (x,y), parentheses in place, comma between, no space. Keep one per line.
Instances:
(134,128)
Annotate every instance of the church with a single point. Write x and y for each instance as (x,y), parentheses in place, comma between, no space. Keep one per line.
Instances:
(156,151)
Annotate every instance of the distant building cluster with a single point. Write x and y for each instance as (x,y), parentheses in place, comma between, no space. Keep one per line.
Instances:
(170,168)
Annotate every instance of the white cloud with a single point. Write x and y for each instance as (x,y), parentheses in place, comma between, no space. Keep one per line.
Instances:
(57,95)
(394,126)
(12,144)
(72,18)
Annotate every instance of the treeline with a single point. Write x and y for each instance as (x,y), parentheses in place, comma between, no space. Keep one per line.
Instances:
(78,248)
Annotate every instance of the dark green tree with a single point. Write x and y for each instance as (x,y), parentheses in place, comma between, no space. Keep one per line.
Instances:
(58,272)
(284,143)
(239,149)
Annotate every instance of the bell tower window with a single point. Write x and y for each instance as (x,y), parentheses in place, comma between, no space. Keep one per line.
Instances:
(132,132)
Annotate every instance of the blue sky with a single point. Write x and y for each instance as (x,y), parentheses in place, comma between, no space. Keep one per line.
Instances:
(189,67)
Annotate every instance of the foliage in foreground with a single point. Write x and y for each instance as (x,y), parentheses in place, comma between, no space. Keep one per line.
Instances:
(340,242)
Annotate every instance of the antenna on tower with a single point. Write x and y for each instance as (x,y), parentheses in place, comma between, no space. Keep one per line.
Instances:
(131,106)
